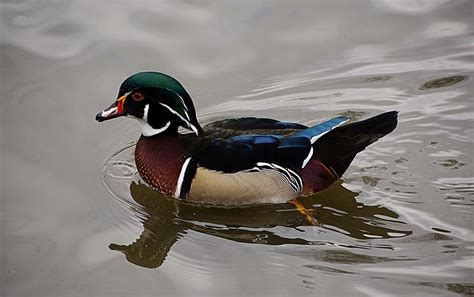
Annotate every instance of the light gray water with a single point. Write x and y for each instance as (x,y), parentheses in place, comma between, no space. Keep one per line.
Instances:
(74,222)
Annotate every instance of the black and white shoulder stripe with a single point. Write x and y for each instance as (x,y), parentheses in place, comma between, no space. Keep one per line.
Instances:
(290,176)
(186,175)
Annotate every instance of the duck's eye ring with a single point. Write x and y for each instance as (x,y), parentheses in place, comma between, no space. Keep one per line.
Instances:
(137,96)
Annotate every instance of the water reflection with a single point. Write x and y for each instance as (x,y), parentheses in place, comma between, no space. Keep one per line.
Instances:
(166,220)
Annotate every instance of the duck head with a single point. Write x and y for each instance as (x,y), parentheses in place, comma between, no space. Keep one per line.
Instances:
(157,100)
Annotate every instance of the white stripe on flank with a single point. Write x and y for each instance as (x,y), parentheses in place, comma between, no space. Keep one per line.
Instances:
(190,126)
(308,157)
(292,177)
(316,137)
(179,183)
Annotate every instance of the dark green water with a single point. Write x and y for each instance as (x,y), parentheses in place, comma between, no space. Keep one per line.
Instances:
(75,222)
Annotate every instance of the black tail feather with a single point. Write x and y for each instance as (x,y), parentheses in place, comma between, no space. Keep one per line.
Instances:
(338,147)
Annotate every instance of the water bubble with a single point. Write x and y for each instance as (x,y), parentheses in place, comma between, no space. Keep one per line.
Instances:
(377,78)
(443,82)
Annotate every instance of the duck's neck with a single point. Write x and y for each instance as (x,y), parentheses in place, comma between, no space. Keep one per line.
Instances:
(159,161)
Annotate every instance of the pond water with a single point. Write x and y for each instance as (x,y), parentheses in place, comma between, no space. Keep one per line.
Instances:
(75,220)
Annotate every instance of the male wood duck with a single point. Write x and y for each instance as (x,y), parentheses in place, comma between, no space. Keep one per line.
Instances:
(235,161)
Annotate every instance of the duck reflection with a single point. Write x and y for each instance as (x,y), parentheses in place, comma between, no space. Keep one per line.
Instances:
(166,220)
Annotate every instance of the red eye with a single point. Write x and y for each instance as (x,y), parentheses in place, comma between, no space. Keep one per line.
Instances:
(138,96)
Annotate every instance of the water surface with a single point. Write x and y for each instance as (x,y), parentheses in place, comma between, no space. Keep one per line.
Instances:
(75,220)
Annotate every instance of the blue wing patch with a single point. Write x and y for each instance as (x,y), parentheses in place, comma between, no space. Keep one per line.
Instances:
(257,139)
(315,132)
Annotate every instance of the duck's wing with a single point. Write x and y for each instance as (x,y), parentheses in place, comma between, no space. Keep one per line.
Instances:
(247,151)
(255,126)
(252,123)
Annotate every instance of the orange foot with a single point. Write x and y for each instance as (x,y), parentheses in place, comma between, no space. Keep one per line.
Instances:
(305,212)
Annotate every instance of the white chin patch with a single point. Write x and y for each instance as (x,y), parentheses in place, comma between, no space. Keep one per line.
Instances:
(148,130)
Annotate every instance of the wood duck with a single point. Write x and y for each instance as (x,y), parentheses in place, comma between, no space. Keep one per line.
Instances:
(235,161)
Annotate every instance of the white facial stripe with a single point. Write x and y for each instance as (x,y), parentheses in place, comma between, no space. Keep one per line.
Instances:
(188,123)
(148,130)
(145,112)
(176,113)
(308,157)
(179,184)
(316,137)
(184,104)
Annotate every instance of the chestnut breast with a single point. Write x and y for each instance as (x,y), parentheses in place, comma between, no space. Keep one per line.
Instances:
(159,161)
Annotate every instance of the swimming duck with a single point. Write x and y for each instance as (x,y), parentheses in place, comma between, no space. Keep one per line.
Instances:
(235,161)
